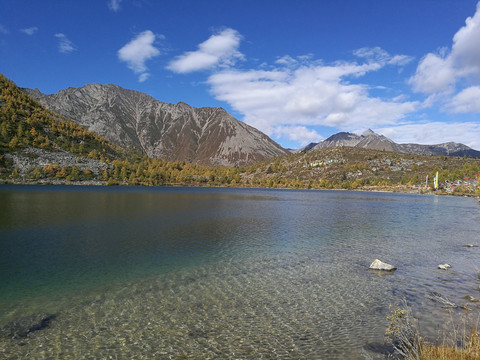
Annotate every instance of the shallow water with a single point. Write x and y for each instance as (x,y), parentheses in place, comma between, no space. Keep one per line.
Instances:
(227,273)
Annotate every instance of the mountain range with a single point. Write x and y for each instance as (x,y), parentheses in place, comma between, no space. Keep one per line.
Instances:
(131,119)
(371,140)
(208,136)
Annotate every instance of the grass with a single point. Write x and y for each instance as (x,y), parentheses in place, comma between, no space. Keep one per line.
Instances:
(469,349)
(402,333)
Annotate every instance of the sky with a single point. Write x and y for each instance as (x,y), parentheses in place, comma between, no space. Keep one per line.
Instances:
(299,71)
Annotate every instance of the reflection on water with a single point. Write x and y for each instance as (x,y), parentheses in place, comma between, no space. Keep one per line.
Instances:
(226,273)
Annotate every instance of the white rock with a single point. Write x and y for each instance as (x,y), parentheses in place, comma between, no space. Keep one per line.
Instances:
(379,265)
(444,266)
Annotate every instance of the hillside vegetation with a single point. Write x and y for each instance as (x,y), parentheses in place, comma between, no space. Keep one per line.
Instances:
(354,168)
(29,131)
(37,145)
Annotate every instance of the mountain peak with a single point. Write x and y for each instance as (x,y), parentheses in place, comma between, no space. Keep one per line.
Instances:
(369,132)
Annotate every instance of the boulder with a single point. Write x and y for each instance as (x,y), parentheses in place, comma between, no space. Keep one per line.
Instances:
(380,265)
(444,266)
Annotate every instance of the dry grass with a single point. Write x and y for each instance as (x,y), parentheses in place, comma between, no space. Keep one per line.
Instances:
(468,350)
(402,333)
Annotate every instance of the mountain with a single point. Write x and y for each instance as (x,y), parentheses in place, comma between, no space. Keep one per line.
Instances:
(339,139)
(36,142)
(371,140)
(447,149)
(131,119)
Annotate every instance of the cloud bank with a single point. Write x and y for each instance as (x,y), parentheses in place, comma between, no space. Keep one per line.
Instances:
(219,49)
(429,133)
(137,52)
(442,71)
(288,101)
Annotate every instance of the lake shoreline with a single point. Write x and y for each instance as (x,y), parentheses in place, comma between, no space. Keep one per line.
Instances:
(403,189)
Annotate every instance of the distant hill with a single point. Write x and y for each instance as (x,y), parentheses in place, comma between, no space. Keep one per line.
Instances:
(132,119)
(371,140)
(346,167)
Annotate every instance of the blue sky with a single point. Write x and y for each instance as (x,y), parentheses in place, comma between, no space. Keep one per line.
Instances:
(299,71)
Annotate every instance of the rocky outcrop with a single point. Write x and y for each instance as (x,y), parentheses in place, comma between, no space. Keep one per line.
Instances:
(380,265)
(132,119)
(29,158)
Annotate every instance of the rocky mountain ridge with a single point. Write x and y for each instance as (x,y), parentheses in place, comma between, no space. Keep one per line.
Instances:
(131,119)
(371,140)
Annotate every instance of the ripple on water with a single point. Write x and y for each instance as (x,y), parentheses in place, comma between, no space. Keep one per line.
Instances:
(283,307)
(310,297)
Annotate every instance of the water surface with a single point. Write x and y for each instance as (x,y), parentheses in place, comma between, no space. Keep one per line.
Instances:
(227,273)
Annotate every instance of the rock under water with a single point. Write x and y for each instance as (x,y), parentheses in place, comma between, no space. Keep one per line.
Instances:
(23,326)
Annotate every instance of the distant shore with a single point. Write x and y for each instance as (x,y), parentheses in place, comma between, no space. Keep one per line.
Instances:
(388,189)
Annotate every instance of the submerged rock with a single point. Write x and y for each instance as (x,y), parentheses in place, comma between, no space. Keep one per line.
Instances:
(380,265)
(470,298)
(444,266)
(21,327)
(470,245)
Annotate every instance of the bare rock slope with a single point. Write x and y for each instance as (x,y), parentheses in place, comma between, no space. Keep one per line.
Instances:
(128,118)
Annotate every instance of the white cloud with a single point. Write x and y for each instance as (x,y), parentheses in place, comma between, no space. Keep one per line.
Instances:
(143,77)
(138,51)
(219,49)
(430,133)
(307,96)
(467,101)
(300,134)
(286,60)
(114,5)
(3,30)
(400,60)
(466,49)
(30,31)
(434,74)
(372,54)
(65,46)
(380,56)
(440,72)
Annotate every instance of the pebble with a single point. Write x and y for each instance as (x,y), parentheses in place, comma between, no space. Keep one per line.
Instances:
(470,298)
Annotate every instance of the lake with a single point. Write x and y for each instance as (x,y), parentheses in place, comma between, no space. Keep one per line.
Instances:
(198,273)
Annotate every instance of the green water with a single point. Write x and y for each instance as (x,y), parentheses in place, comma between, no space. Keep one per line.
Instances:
(226,273)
